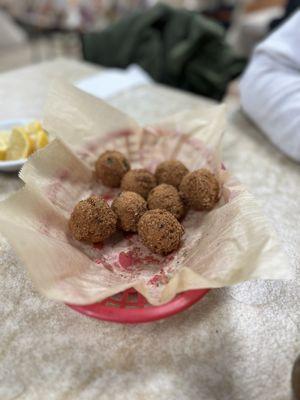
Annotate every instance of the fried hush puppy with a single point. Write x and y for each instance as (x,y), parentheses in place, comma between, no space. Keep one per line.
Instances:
(110,167)
(129,207)
(171,172)
(139,181)
(160,231)
(200,190)
(92,220)
(166,197)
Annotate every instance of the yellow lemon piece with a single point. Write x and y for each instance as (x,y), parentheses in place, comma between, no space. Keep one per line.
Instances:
(4,136)
(3,151)
(20,128)
(20,145)
(41,139)
(34,127)
(4,139)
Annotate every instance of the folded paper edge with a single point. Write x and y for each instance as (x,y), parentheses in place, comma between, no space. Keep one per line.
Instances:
(61,89)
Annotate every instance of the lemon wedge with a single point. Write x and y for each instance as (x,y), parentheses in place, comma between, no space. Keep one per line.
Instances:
(20,145)
(41,139)
(34,127)
(4,136)
(4,139)
(3,151)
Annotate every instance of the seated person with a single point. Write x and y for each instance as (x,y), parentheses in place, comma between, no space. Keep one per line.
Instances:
(270,87)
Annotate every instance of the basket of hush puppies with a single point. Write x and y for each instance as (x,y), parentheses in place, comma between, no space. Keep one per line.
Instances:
(150,204)
(134,223)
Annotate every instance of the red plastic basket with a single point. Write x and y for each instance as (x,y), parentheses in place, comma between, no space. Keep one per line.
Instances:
(130,307)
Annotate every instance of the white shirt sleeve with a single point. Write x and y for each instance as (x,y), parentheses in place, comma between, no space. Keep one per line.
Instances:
(270,87)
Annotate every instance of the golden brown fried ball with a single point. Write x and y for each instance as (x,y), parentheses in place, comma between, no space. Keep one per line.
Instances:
(200,190)
(171,172)
(160,231)
(166,197)
(139,181)
(129,207)
(92,220)
(111,166)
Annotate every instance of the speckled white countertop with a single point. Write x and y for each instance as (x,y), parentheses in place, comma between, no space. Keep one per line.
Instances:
(236,344)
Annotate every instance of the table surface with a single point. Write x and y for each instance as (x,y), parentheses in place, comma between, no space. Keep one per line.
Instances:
(237,343)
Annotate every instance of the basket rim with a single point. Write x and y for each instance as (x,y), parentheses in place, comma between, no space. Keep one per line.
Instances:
(150,313)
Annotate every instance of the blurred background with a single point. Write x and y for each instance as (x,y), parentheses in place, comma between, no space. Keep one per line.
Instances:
(32,31)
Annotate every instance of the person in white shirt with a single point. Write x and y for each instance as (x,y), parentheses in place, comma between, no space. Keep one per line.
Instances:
(270,87)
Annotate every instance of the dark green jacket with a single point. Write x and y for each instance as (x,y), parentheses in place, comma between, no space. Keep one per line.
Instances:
(176,47)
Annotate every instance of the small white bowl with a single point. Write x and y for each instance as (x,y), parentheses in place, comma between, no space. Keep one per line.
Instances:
(7,125)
